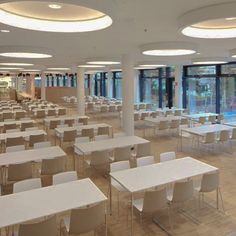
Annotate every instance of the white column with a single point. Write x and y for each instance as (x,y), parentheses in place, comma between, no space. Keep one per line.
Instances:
(136,86)
(43,86)
(128,94)
(109,84)
(178,86)
(80,92)
(32,85)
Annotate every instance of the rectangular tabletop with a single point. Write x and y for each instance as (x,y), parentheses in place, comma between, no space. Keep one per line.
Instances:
(31,155)
(24,134)
(79,128)
(202,130)
(29,205)
(198,115)
(233,123)
(146,177)
(62,118)
(108,144)
(157,120)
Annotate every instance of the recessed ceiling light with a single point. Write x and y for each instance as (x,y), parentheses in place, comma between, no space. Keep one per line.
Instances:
(15,64)
(150,65)
(198,53)
(5,31)
(168,49)
(10,68)
(24,55)
(103,62)
(209,61)
(214,21)
(231,18)
(143,68)
(58,69)
(91,66)
(31,70)
(55,6)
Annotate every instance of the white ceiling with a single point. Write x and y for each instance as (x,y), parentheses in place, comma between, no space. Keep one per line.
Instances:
(136,22)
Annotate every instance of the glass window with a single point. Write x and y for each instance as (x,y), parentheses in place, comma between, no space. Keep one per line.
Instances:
(228,69)
(201,70)
(151,92)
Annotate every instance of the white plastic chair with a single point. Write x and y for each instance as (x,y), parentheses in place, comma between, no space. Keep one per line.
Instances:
(167,156)
(144,161)
(64,177)
(26,185)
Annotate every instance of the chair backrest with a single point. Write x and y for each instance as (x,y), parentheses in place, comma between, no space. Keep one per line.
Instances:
(83,120)
(53,124)
(19,114)
(177,113)
(99,158)
(148,106)
(143,116)
(42,145)
(136,116)
(233,136)
(163,125)
(64,177)
(169,113)
(40,114)
(210,182)
(88,133)
(82,140)
(53,166)
(22,171)
(183,191)
(15,148)
(104,109)
(46,227)
(119,165)
(154,200)
(154,114)
(27,184)
(112,108)
(224,135)
(9,126)
(212,119)
(36,138)
(69,122)
(202,120)
(210,137)
(25,125)
(184,121)
(61,111)
(51,112)
(142,106)
(143,149)
(7,115)
(84,220)
(220,117)
(103,130)
(174,124)
(167,156)
(144,161)
(69,135)
(119,108)
(122,153)
(15,141)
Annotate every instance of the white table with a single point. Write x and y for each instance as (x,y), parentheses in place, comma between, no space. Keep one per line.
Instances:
(233,123)
(157,120)
(200,131)
(30,205)
(194,117)
(17,122)
(62,119)
(147,177)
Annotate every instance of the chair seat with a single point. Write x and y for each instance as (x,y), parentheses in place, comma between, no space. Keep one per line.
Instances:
(138,204)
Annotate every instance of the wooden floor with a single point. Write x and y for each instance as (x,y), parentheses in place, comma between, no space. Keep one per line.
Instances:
(210,221)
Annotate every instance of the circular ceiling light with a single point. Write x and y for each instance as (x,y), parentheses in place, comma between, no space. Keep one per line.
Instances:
(39,16)
(168,49)
(15,64)
(55,6)
(91,66)
(209,61)
(103,63)
(215,21)
(25,55)
(59,69)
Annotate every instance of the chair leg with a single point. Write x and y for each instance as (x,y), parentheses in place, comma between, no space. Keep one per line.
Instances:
(221,200)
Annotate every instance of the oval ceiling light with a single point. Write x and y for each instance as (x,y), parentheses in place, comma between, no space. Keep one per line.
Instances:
(15,64)
(53,17)
(91,66)
(25,55)
(215,21)
(209,61)
(169,49)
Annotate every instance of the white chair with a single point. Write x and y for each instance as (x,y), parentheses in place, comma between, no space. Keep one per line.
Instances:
(118,166)
(15,148)
(26,185)
(143,149)
(122,153)
(223,137)
(64,177)
(208,139)
(167,156)
(42,145)
(153,201)
(144,161)
(209,183)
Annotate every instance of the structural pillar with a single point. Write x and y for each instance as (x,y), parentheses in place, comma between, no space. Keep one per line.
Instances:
(80,92)
(43,86)
(32,85)
(128,94)
(178,86)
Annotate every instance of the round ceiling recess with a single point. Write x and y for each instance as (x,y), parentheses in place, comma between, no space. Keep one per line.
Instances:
(210,22)
(169,49)
(47,16)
